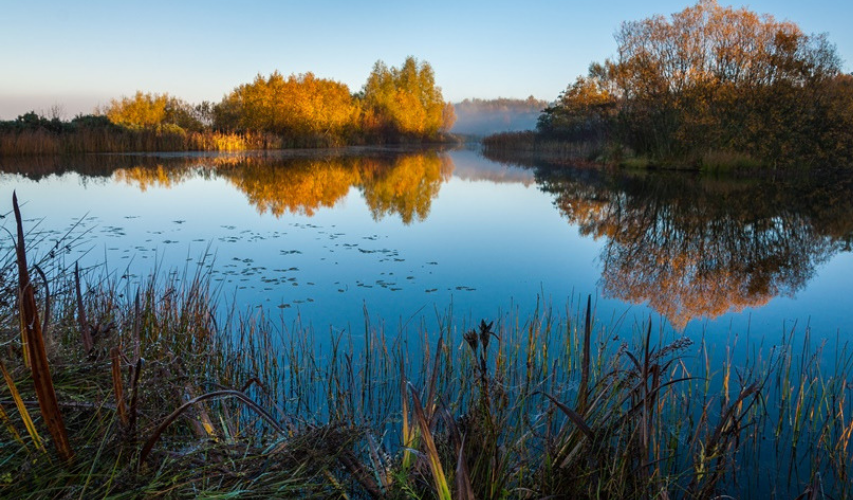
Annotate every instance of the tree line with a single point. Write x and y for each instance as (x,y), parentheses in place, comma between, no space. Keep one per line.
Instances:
(712,84)
(396,105)
(481,117)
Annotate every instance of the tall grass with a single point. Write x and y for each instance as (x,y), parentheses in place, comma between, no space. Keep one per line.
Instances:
(529,145)
(515,146)
(177,398)
(115,140)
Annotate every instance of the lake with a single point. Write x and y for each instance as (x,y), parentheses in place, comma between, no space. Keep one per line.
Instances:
(320,237)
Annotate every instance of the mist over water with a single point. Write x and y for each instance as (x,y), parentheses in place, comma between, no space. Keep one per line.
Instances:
(479,117)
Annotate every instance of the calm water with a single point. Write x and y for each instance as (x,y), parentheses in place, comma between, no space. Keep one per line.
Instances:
(323,236)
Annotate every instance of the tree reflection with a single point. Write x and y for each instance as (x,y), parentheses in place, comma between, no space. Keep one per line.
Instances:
(155,176)
(299,187)
(408,187)
(694,247)
(395,184)
(404,185)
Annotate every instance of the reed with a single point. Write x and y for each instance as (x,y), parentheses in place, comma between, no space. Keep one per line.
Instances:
(179,398)
(529,146)
(82,140)
(95,134)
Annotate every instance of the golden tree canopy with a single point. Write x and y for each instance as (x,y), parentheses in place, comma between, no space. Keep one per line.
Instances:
(407,99)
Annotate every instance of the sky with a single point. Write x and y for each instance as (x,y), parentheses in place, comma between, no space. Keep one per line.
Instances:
(79,55)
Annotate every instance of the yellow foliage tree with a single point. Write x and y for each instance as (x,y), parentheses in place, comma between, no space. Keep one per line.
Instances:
(146,110)
(303,108)
(405,101)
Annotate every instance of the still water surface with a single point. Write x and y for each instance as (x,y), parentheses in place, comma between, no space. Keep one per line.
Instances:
(322,236)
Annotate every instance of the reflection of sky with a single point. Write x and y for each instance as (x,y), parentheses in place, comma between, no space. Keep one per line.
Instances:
(485,247)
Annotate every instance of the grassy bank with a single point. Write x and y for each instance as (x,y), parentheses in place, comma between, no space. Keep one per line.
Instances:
(530,145)
(41,142)
(161,394)
(84,140)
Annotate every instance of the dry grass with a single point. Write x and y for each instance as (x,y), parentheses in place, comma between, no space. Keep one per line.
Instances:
(115,140)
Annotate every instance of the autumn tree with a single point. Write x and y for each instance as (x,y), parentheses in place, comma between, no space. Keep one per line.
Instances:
(713,78)
(586,111)
(146,110)
(721,78)
(302,108)
(395,104)
(405,102)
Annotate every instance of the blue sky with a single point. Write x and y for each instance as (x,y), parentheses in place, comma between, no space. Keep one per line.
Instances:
(81,54)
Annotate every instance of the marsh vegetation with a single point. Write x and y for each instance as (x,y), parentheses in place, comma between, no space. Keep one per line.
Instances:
(156,396)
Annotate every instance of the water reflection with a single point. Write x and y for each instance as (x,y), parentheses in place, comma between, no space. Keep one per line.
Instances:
(401,184)
(156,176)
(693,247)
(689,247)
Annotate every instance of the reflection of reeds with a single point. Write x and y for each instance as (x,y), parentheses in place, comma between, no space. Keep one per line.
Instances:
(511,409)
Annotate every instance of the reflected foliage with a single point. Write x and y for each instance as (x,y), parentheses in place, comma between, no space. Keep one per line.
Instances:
(157,176)
(693,247)
(300,187)
(407,188)
(403,185)
(391,184)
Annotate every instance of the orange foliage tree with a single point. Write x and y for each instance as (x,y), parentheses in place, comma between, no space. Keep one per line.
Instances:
(303,108)
(146,110)
(713,79)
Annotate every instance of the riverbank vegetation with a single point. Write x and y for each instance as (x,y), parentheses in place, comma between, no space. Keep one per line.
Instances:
(158,393)
(396,105)
(710,87)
